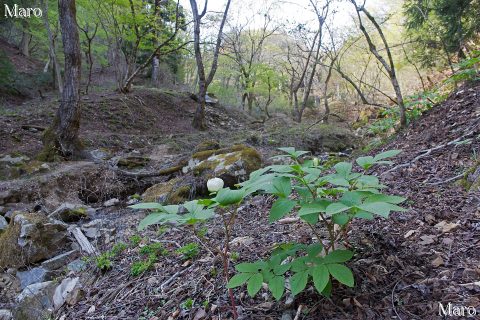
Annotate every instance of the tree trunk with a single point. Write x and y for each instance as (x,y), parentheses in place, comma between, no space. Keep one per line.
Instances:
(155,69)
(51,47)
(204,81)
(26,37)
(61,139)
(199,121)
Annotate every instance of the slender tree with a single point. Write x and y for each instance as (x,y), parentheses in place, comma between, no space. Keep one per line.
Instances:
(388,63)
(61,139)
(51,46)
(204,80)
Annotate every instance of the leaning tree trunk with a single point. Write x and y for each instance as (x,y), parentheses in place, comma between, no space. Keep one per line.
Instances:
(61,139)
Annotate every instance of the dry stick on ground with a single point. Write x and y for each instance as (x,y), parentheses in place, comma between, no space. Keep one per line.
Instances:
(447,181)
(176,275)
(299,311)
(427,152)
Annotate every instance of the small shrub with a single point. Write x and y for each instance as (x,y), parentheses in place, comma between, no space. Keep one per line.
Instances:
(104,261)
(323,200)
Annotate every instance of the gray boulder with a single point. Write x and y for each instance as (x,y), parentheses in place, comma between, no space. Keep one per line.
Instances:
(3,224)
(31,276)
(35,302)
(29,239)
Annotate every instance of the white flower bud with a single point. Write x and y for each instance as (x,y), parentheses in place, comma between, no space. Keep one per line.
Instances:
(316,162)
(215,184)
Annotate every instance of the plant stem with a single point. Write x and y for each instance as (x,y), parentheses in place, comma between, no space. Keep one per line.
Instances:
(227,226)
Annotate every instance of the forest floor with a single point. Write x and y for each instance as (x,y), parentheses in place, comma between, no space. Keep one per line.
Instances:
(404,266)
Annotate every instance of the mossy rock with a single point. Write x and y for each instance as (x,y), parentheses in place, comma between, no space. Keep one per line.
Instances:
(471,179)
(133,162)
(31,238)
(207,145)
(232,165)
(203,155)
(330,138)
(69,212)
(175,191)
(160,191)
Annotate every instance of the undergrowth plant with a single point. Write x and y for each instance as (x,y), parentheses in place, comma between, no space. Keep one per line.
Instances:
(325,201)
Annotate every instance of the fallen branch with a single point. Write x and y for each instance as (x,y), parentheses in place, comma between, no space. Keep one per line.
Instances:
(299,311)
(176,275)
(83,241)
(447,181)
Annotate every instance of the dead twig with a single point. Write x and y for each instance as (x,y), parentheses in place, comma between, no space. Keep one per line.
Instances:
(299,311)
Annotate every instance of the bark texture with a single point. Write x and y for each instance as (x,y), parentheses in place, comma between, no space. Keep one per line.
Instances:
(61,139)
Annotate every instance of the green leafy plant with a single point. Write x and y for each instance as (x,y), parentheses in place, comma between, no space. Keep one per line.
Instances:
(155,248)
(140,267)
(103,261)
(189,251)
(119,248)
(323,200)
(135,240)
(187,304)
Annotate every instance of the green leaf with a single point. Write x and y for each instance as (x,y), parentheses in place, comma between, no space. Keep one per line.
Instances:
(298,282)
(336,207)
(277,286)
(365,162)
(351,198)
(327,292)
(342,274)
(385,198)
(321,277)
(171,209)
(228,197)
(364,215)
(338,256)
(153,218)
(381,208)
(250,267)
(283,186)
(337,180)
(314,207)
(341,218)
(369,181)
(292,152)
(289,150)
(238,280)
(298,265)
(386,154)
(281,268)
(343,169)
(147,205)
(254,284)
(281,208)
(314,250)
